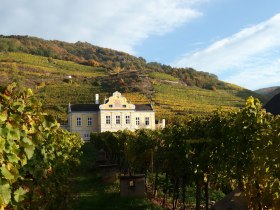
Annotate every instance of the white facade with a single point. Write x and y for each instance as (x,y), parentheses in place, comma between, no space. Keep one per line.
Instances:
(122,115)
(115,114)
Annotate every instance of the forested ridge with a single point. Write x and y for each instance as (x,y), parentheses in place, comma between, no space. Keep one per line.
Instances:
(110,60)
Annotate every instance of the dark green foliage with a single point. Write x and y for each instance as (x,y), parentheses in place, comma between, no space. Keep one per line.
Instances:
(224,150)
(91,193)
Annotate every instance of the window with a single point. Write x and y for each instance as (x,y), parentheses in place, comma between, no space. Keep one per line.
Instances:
(147,121)
(118,119)
(127,119)
(137,120)
(86,136)
(108,120)
(89,121)
(79,121)
(110,106)
(124,106)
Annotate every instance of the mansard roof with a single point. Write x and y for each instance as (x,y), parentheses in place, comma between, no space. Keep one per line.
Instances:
(115,102)
(273,106)
(85,107)
(143,107)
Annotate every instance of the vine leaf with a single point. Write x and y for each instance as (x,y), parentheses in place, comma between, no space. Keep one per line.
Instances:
(6,173)
(29,150)
(19,194)
(4,116)
(5,194)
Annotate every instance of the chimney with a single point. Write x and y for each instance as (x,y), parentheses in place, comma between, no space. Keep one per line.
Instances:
(163,123)
(69,107)
(96,98)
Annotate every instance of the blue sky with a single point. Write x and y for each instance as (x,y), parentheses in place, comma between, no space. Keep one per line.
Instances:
(238,40)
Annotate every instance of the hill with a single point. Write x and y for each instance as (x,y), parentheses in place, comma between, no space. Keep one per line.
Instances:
(46,66)
(109,60)
(269,92)
(273,105)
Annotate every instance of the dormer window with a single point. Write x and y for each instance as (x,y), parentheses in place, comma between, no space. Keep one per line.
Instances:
(110,106)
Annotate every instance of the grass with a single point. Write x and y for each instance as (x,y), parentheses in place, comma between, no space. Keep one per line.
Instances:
(90,193)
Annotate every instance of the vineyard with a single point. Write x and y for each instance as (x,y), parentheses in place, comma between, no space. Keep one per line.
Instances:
(213,144)
(187,164)
(90,192)
(193,101)
(38,69)
(169,95)
(223,151)
(163,76)
(35,154)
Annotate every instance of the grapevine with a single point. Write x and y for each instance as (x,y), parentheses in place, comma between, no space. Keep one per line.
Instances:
(36,155)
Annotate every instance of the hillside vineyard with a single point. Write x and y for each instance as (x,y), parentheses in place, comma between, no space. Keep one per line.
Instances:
(76,71)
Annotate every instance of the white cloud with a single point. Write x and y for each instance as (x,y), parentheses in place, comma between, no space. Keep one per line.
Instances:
(249,56)
(119,24)
(261,73)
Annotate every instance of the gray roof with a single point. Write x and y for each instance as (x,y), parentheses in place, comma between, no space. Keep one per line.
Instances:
(143,107)
(85,107)
(95,107)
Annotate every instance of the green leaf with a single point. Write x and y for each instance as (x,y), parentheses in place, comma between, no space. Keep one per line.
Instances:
(14,133)
(19,194)
(26,140)
(6,173)
(5,194)
(2,143)
(29,92)
(21,108)
(29,150)
(11,87)
(23,160)
(13,158)
(4,116)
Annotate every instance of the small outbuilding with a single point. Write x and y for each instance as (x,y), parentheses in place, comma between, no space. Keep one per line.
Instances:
(132,185)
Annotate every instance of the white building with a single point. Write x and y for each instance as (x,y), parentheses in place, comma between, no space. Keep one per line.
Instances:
(115,114)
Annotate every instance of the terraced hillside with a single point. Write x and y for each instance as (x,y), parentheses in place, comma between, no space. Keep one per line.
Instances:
(170,96)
